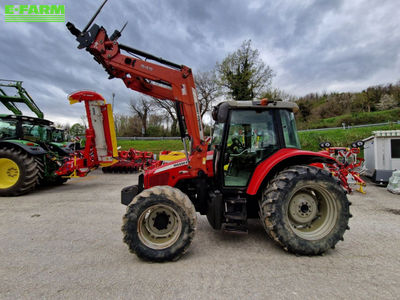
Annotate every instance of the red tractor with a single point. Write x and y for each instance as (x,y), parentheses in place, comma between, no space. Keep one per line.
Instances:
(253,168)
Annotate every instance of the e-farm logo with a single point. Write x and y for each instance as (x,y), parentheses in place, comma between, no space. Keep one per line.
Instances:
(34,13)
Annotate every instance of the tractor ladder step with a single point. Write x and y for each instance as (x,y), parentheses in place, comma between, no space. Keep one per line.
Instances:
(235,213)
(234,228)
(236,216)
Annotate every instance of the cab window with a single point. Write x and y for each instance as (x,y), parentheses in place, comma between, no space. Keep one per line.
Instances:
(8,129)
(289,129)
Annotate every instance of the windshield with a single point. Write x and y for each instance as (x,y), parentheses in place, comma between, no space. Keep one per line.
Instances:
(58,136)
(8,129)
(34,132)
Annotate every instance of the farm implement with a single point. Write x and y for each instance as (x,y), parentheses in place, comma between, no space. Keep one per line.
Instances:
(347,165)
(131,161)
(101,143)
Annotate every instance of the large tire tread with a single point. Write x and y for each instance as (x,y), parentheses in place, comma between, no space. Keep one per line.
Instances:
(147,198)
(28,172)
(272,213)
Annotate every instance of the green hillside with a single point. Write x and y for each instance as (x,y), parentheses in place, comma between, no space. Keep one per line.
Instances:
(392,115)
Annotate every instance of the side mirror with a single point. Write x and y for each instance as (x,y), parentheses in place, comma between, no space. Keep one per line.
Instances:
(220,112)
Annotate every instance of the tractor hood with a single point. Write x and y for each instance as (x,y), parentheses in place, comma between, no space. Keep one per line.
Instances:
(169,173)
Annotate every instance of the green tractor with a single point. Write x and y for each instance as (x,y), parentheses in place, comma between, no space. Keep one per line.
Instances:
(31,149)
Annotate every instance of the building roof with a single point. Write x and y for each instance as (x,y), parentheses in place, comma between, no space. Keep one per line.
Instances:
(386,133)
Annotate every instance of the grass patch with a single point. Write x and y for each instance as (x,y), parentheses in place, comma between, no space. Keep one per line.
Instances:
(154,146)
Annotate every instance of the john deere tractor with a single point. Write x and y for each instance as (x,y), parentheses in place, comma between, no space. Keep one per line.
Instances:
(29,152)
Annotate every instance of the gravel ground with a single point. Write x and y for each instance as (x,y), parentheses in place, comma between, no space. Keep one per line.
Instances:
(65,242)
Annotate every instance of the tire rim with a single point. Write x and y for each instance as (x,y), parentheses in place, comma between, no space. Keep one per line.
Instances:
(9,173)
(159,227)
(312,212)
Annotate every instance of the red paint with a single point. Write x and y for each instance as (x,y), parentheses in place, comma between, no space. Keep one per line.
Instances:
(177,170)
(265,167)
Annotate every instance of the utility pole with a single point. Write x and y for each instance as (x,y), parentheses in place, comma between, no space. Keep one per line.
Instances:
(113,96)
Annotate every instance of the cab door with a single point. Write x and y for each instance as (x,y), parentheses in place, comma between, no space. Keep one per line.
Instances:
(251,136)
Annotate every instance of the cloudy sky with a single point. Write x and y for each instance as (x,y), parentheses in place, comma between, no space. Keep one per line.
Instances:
(312,45)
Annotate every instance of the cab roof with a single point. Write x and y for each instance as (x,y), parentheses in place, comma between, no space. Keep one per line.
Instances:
(268,104)
(27,119)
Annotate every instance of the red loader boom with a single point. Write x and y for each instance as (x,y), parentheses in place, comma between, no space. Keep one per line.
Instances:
(168,81)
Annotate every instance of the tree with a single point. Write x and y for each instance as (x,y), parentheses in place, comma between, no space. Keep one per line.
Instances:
(275,93)
(372,96)
(169,107)
(243,74)
(387,102)
(142,108)
(77,129)
(207,90)
(127,125)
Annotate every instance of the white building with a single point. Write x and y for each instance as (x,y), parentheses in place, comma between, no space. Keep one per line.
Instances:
(382,154)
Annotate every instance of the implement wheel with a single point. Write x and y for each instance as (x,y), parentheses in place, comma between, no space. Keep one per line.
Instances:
(305,210)
(159,224)
(18,172)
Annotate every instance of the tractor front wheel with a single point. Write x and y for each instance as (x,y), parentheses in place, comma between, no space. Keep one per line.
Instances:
(18,172)
(305,210)
(159,224)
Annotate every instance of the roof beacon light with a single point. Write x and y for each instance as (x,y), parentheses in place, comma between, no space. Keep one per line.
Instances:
(262,102)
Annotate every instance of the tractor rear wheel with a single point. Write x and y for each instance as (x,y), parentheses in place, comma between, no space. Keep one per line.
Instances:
(18,172)
(46,179)
(159,224)
(305,210)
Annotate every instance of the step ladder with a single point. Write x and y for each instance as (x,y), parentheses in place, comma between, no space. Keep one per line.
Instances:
(235,215)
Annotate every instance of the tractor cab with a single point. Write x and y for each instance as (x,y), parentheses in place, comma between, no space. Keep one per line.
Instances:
(245,134)
(35,131)
(25,128)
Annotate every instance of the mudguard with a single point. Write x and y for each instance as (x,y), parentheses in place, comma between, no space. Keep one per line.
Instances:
(282,159)
(34,149)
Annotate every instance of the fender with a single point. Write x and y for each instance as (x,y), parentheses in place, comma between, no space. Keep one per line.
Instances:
(280,160)
(33,149)
(61,149)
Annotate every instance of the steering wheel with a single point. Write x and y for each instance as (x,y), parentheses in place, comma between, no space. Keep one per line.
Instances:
(236,147)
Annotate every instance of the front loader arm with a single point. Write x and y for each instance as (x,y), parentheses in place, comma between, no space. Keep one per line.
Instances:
(164,80)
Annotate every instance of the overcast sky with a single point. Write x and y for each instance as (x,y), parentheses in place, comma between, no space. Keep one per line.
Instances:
(312,46)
